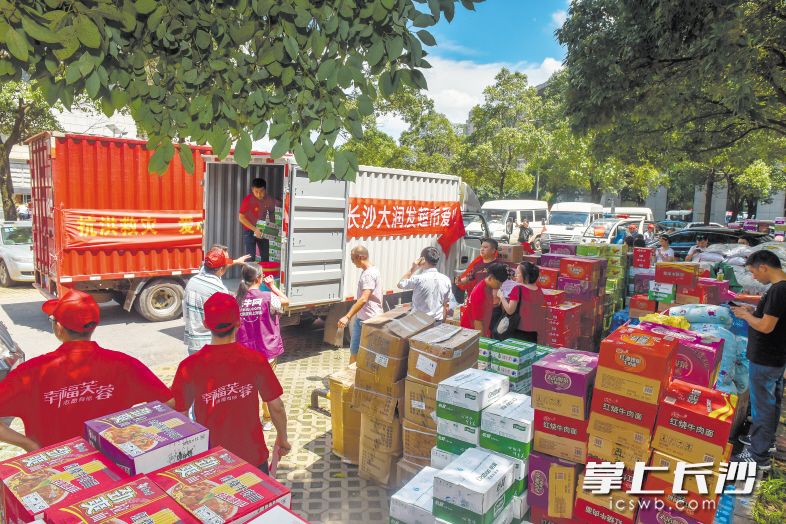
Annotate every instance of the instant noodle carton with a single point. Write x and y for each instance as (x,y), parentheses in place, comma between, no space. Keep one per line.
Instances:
(540,515)
(582,268)
(643,257)
(552,485)
(551,260)
(61,473)
(278,514)
(548,277)
(624,419)
(617,507)
(441,352)
(136,500)
(677,273)
(694,422)
(563,248)
(635,363)
(147,437)
(507,426)
(652,513)
(412,503)
(462,397)
(609,449)
(576,289)
(562,383)
(216,486)
(553,297)
(561,437)
(642,305)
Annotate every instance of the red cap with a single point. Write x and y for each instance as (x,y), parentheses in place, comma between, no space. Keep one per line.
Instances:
(75,310)
(217,258)
(633,227)
(221,312)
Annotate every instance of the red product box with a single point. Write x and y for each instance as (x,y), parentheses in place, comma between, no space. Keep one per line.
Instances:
(696,506)
(679,273)
(61,473)
(553,297)
(581,268)
(548,277)
(138,499)
(580,290)
(624,409)
(643,257)
(643,303)
(539,515)
(597,509)
(217,486)
(560,426)
(565,312)
(627,472)
(566,339)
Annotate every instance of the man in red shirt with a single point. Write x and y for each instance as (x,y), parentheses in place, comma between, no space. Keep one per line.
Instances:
(257,205)
(55,394)
(224,382)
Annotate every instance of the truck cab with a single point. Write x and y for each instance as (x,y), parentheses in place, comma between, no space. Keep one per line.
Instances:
(568,221)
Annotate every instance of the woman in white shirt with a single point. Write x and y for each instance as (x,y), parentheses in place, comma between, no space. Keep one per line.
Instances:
(664,253)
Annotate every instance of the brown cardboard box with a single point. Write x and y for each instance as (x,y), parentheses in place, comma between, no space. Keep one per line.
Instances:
(384,435)
(420,403)
(441,352)
(387,334)
(376,465)
(386,369)
(375,399)
(609,450)
(511,252)
(418,442)
(344,420)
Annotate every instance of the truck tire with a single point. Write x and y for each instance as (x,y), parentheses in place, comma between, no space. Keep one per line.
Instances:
(160,300)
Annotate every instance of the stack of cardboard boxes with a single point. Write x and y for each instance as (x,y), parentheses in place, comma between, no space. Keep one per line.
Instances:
(513,358)
(345,420)
(380,389)
(671,283)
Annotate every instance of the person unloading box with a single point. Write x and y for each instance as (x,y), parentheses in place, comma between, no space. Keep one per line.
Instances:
(224,382)
(257,205)
(369,299)
(56,393)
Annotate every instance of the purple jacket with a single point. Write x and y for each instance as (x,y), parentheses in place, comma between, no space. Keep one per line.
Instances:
(259,325)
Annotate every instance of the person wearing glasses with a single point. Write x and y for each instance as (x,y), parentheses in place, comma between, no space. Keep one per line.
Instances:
(56,393)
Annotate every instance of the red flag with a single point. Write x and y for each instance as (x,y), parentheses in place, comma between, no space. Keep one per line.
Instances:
(454,231)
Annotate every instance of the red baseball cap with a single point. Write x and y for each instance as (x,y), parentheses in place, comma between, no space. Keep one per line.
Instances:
(216,258)
(75,310)
(222,312)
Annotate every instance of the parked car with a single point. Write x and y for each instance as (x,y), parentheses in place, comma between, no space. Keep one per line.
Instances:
(702,224)
(567,222)
(682,241)
(606,230)
(16,253)
(671,224)
(503,217)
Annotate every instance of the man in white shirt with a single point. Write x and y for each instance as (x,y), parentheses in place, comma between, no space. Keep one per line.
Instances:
(431,290)
(694,254)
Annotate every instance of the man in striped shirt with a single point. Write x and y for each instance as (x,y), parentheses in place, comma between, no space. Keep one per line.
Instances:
(201,287)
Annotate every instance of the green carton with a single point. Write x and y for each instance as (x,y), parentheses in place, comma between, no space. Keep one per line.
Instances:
(452,445)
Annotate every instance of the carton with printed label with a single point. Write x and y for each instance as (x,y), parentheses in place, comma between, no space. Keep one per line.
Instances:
(278,514)
(420,403)
(612,450)
(552,485)
(383,434)
(519,473)
(694,422)
(217,486)
(652,513)
(61,473)
(136,500)
(548,277)
(514,351)
(617,507)
(582,268)
(507,426)
(441,352)
(457,431)
(635,363)
(553,297)
(376,399)
(662,292)
(677,273)
(551,260)
(643,303)
(412,504)
(643,257)
(624,419)
(462,397)
(540,515)
(418,442)
(148,437)
(563,248)
(562,383)
(577,289)
(441,458)
(561,437)
(476,487)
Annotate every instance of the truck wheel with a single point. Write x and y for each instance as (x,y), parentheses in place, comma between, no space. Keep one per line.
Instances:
(119,297)
(5,276)
(160,300)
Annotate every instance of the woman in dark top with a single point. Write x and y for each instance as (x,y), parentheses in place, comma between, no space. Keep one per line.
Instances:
(527,291)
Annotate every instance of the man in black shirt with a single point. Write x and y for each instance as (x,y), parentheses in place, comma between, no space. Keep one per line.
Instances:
(767,355)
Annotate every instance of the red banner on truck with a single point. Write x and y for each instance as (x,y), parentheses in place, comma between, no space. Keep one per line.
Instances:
(90,229)
(374,217)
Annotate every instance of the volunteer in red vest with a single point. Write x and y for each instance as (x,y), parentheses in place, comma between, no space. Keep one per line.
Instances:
(257,205)
(54,394)
(224,382)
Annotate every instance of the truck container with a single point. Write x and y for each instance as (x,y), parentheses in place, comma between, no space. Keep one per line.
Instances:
(103,224)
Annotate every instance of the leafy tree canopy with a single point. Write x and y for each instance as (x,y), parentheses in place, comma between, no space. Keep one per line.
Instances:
(226,71)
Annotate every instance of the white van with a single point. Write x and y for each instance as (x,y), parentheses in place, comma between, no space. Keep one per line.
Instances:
(632,212)
(568,220)
(503,217)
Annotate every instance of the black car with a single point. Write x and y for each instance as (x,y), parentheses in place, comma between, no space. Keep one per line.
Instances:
(683,240)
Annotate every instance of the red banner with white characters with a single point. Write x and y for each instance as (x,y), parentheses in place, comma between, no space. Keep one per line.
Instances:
(88,229)
(377,217)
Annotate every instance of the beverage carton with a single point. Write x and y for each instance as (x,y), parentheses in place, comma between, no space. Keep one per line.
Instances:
(146,437)
(412,504)
(61,473)
(441,352)
(520,476)
(694,422)
(452,445)
(592,250)
(552,485)
(643,257)
(559,436)
(441,458)
(677,273)
(636,363)
(217,486)
(562,383)
(517,352)
(476,487)
(548,277)
(507,426)
(462,397)
(420,403)
(136,499)
(563,248)
(662,292)
(581,269)
(278,514)
(458,431)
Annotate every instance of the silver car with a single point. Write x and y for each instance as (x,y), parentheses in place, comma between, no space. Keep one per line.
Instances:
(16,253)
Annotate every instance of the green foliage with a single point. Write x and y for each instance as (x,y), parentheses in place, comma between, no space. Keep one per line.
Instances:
(769,507)
(216,71)
(376,149)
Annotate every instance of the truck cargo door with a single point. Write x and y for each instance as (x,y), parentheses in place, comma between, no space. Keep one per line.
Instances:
(317,219)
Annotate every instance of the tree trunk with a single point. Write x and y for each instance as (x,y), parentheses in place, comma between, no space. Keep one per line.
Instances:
(501,194)
(752,206)
(596,193)
(7,184)
(708,197)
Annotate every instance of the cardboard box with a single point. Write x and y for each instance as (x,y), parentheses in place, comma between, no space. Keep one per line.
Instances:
(412,504)
(691,503)
(420,403)
(577,289)
(375,399)
(458,431)
(511,252)
(561,437)
(278,514)
(418,442)
(630,421)
(581,269)
(441,458)
(540,515)
(690,482)
(387,334)
(609,449)
(463,396)
(384,368)
(636,363)
(476,487)
(643,257)
(617,507)
(563,248)
(553,297)
(552,485)
(548,277)
(220,487)
(377,466)
(146,437)
(624,433)
(520,476)
(507,426)
(662,292)
(137,499)
(453,445)
(551,260)
(441,352)
(562,383)
(515,351)
(406,471)
(61,473)
(694,423)
(652,513)
(591,250)
(383,434)
(677,273)
(643,303)
(345,420)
